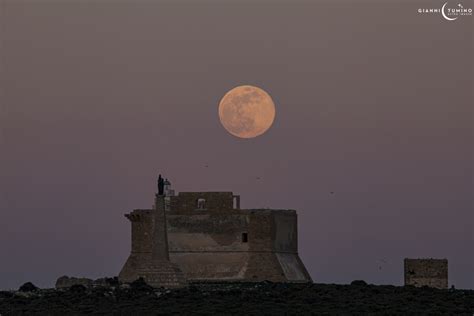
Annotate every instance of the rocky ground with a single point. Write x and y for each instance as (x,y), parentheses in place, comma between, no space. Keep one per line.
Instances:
(264,298)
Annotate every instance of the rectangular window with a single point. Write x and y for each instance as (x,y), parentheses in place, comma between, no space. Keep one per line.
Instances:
(245,237)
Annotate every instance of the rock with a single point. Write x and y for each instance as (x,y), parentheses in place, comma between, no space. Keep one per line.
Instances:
(107,282)
(240,298)
(66,282)
(24,294)
(359,283)
(28,287)
(140,285)
(6,294)
(77,288)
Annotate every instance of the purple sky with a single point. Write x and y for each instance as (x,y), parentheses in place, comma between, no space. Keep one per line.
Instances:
(373,102)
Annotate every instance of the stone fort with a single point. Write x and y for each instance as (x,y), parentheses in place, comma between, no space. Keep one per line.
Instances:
(208,237)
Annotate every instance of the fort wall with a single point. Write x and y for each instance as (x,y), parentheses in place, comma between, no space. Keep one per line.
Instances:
(238,245)
(186,202)
(211,240)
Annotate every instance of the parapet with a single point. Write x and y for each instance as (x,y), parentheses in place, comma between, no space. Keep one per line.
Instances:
(188,202)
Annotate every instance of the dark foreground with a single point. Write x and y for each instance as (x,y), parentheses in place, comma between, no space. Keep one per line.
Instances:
(240,298)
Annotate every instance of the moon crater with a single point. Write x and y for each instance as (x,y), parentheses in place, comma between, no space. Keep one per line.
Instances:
(246,111)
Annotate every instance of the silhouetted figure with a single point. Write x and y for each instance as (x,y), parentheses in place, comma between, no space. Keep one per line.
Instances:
(161,185)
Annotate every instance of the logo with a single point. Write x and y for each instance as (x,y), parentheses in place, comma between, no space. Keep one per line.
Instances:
(448,12)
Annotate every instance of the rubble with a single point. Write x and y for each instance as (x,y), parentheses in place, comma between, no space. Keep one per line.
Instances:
(138,298)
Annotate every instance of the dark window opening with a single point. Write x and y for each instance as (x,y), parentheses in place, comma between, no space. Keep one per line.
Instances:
(245,237)
(236,201)
(201,204)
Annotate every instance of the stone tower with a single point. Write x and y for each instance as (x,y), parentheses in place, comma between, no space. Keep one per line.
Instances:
(426,272)
(149,258)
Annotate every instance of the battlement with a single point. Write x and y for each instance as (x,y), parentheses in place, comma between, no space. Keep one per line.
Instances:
(186,202)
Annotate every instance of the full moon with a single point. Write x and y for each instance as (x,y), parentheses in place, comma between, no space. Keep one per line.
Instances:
(246,111)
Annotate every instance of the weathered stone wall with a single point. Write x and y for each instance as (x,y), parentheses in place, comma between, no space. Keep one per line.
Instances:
(142,234)
(267,230)
(223,243)
(149,257)
(210,246)
(206,232)
(292,267)
(261,230)
(142,230)
(426,272)
(286,232)
(208,266)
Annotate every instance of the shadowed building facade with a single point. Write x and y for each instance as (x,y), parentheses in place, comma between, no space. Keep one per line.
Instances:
(211,239)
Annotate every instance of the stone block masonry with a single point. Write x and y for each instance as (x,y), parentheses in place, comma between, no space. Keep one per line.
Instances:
(426,272)
(150,256)
(210,238)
